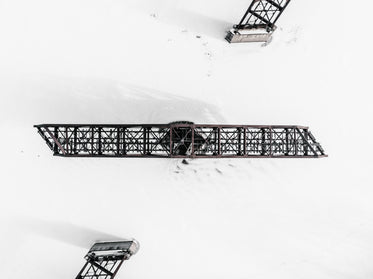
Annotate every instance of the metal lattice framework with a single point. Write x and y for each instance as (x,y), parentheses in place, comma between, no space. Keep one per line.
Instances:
(180,140)
(106,268)
(262,14)
(105,259)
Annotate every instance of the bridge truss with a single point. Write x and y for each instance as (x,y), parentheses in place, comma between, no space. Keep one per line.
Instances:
(258,22)
(262,14)
(104,260)
(180,140)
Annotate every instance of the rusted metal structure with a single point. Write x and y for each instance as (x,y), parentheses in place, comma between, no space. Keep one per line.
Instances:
(105,258)
(258,22)
(180,140)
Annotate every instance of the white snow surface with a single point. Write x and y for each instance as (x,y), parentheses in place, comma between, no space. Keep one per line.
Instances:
(142,61)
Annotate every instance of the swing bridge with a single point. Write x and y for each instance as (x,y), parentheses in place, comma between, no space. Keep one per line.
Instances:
(181,139)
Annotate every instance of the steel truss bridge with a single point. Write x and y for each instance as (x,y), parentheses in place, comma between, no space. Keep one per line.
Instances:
(180,140)
(104,259)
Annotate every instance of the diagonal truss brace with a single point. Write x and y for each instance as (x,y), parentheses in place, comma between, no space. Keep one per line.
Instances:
(56,141)
(101,268)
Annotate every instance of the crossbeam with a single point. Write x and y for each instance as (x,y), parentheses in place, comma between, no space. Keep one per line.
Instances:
(180,140)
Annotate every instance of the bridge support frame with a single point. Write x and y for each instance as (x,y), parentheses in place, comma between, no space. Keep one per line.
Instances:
(180,141)
(258,22)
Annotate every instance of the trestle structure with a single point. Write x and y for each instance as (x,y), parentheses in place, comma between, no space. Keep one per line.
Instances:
(180,140)
(258,22)
(105,258)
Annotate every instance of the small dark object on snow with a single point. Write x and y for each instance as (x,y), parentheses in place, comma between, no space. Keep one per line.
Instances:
(185,162)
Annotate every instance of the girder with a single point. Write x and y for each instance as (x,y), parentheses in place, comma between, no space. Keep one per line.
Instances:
(179,140)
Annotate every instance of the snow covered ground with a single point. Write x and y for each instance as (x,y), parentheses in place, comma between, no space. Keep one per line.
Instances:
(127,61)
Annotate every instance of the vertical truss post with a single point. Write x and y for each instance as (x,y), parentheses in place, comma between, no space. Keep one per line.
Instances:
(124,131)
(263,143)
(286,141)
(215,133)
(100,140)
(192,143)
(67,142)
(171,148)
(118,141)
(144,140)
(148,148)
(270,142)
(244,141)
(305,134)
(55,145)
(75,138)
(239,141)
(219,141)
(92,140)
(295,142)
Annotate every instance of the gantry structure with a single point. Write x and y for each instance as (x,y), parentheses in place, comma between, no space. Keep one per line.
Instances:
(180,140)
(258,22)
(105,258)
